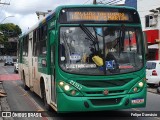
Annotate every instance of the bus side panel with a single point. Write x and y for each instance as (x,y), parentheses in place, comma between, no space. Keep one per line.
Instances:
(24,70)
(36,76)
(30,44)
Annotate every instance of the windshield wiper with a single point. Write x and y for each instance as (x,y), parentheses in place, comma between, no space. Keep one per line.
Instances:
(129,41)
(91,37)
(121,39)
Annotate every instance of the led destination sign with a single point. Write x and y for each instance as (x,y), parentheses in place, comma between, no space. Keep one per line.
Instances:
(97,16)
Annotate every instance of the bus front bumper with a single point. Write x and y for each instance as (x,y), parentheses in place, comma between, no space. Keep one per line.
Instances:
(82,104)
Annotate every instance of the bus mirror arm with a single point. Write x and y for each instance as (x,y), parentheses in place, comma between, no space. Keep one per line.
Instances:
(145,44)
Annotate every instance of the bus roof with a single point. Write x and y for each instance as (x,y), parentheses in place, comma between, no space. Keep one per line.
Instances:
(93,5)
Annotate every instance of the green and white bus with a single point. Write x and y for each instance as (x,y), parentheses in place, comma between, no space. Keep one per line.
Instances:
(86,58)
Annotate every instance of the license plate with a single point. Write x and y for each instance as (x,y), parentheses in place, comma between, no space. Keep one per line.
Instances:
(137,101)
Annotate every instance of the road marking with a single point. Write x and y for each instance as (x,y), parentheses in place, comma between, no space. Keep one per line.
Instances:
(5,77)
(158,118)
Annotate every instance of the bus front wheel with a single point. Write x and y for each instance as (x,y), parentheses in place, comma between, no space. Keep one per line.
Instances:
(43,92)
(24,82)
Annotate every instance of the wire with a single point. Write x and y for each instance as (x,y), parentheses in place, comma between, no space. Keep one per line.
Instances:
(101,2)
(86,2)
(110,1)
(113,2)
(4,9)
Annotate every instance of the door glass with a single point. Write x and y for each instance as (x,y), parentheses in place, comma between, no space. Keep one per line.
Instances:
(53,87)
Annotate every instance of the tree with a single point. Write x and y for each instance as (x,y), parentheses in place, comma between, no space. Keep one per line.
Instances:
(10,30)
(2,38)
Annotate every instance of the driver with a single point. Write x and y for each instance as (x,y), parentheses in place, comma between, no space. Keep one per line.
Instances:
(110,58)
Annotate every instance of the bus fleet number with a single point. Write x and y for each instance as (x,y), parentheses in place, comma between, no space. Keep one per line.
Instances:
(76,85)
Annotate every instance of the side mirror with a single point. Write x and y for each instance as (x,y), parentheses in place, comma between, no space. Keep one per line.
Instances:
(52,36)
(145,43)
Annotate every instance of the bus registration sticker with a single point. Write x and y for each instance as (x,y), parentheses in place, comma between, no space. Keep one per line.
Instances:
(138,101)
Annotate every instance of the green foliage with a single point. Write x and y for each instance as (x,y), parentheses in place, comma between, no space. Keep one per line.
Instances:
(3,38)
(9,30)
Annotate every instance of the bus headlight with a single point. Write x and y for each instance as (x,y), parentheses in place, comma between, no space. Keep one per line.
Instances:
(69,89)
(140,84)
(61,83)
(73,92)
(66,87)
(137,87)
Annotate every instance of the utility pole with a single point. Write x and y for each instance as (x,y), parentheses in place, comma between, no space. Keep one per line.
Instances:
(4,3)
(94,2)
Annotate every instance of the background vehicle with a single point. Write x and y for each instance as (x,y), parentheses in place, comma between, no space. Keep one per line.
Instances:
(158,90)
(8,61)
(54,59)
(16,66)
(153,72)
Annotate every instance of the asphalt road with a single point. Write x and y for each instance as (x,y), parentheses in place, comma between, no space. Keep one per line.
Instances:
(21,100)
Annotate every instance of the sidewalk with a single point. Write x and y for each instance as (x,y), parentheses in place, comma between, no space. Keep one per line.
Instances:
(4,105)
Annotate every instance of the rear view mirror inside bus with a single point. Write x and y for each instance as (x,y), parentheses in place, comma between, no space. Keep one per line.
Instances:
(44,63)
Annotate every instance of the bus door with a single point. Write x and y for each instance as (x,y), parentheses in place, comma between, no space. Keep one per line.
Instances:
(30,59)
(53,82)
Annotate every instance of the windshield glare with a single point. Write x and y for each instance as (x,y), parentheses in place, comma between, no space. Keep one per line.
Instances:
(100,50)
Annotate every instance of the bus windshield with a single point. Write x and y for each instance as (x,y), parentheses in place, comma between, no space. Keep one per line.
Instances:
(100,50)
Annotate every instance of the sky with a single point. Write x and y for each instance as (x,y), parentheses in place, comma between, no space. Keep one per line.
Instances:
(23,12)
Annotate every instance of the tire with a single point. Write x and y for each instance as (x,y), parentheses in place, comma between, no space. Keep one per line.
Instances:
(158,90)
(16,71)
(43,92)
(24,83)
(148,85)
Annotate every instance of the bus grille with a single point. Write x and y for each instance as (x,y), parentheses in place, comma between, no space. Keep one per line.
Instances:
(103,83)
(99,102)
(110,92)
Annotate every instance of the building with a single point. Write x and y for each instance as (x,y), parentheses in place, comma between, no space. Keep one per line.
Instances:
(149,12)
(9,48)
(131,3)
(13,48)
